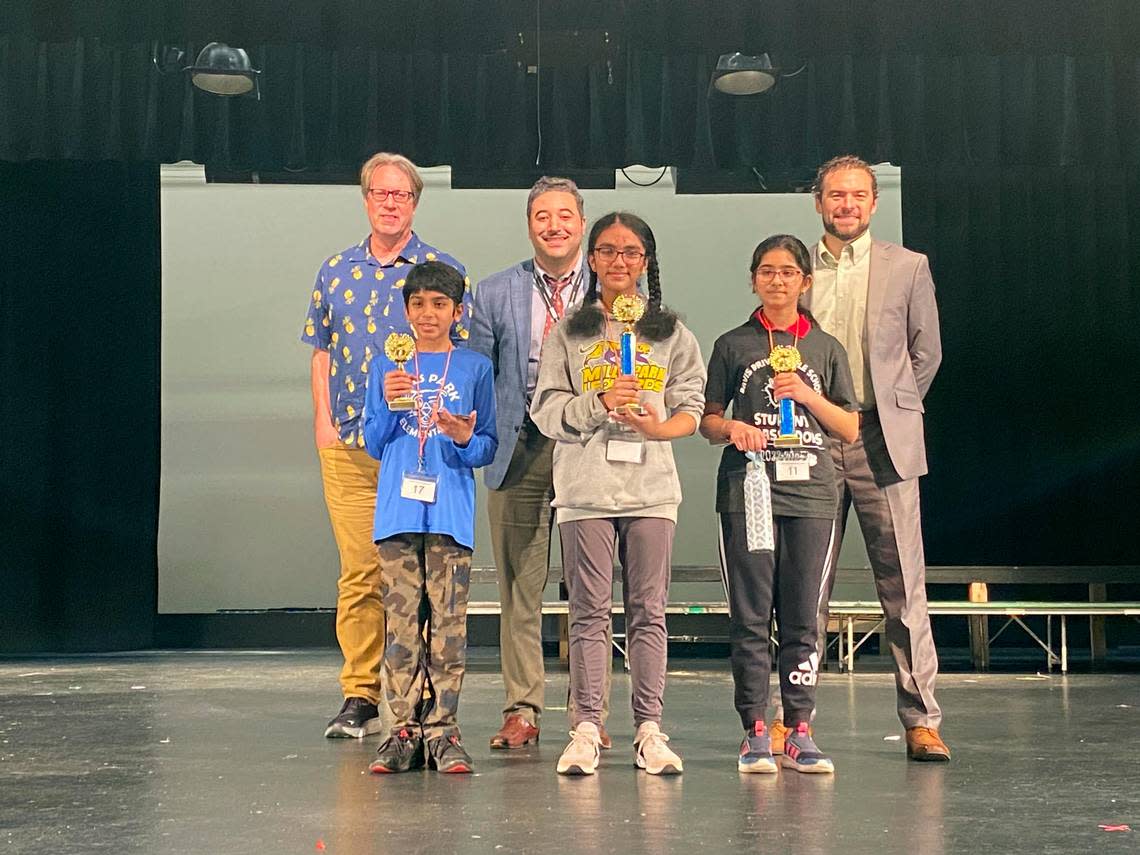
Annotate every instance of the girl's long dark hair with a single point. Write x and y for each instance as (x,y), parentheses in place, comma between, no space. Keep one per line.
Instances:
(658,322)
(799,252)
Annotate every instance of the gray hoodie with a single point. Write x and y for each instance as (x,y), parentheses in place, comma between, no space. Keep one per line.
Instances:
(567,407)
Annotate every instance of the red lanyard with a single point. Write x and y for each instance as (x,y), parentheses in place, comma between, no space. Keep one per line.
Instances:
(424,421)
(772,341)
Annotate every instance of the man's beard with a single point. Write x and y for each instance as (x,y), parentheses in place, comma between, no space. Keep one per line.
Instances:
(830,228)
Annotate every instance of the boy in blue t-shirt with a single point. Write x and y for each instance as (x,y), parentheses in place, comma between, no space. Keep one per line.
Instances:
(425,517)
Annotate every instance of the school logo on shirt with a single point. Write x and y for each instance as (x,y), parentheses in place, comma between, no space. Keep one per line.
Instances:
(429,391)
(601,366)
(768,420)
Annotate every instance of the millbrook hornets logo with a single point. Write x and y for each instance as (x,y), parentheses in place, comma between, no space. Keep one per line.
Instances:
(601,365)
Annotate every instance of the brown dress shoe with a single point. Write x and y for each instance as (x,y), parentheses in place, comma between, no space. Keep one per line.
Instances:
(778,732)
(515,733)
(924,743)
(604,741)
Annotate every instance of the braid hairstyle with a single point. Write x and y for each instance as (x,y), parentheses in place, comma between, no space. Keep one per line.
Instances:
(657,323)
(588,318)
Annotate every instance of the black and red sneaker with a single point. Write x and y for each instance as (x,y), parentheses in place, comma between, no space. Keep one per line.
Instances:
(400,752)
(447,754)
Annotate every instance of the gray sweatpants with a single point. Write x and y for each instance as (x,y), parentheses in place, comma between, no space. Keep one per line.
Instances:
(645,550)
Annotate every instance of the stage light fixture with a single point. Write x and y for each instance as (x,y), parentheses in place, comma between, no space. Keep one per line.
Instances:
(738,74)
(224,70)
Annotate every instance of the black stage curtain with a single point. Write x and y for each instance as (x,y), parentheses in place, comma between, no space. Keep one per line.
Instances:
(1034,419)
(961,83)
(79,294)
(1017,124)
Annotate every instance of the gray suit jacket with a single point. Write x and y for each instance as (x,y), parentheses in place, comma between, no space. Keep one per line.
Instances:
(904,349)
(500,329)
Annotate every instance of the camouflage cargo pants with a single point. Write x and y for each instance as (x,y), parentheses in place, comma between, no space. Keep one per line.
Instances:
(424,582)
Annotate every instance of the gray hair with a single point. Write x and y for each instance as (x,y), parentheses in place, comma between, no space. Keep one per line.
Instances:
(547,184)
(387,158)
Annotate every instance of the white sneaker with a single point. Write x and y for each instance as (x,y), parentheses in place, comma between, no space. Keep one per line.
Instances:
(652,754)
(580,757)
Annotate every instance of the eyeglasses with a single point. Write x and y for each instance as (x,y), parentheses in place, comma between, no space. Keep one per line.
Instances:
(400,197)
(786,274)
(609,253)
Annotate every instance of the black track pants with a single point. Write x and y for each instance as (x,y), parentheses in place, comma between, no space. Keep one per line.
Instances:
(792,580)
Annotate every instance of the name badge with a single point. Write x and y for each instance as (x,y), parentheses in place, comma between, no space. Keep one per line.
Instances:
(419,487)
(793,470)
(624,451)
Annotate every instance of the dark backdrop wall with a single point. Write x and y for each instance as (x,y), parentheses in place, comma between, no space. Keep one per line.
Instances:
(1034,419)
(79,358)
(1017,125)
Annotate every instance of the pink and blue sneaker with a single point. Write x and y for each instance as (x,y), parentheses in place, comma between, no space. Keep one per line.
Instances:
(756,751)
(802,754)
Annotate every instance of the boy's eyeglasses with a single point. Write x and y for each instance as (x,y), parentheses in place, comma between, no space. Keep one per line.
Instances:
(609,253)
(786,274)
(400,197)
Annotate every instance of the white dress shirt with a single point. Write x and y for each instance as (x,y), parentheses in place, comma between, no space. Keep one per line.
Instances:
(839,304)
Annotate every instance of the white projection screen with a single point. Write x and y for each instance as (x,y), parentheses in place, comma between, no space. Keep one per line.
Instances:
(242,521)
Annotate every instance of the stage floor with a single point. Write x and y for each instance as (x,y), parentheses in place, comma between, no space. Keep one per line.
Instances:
(223,752)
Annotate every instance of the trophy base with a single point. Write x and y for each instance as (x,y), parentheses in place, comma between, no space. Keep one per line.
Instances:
(402,404)
(787,441)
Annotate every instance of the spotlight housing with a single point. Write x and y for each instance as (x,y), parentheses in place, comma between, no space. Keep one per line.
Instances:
(737,74)
(224,70)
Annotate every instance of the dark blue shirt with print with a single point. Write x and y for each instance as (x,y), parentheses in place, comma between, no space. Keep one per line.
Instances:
(356,302)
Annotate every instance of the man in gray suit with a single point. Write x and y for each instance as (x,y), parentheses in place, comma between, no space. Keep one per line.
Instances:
(877,298)
(513,313)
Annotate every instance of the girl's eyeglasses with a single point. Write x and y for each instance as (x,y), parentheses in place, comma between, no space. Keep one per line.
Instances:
(786,274)
(609,253)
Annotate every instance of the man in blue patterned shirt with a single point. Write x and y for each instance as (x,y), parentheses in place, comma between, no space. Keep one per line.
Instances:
(356,302)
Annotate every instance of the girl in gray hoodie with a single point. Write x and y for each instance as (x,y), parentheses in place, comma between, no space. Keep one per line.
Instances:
(615,478)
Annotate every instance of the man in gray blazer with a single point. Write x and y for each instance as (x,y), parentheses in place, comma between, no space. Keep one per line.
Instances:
(513,312)
(877,298)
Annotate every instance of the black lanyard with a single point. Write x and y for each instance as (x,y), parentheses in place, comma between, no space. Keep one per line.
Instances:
(544,292)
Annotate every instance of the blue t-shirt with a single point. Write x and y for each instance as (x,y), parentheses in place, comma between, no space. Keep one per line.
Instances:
(393,438)
(356,301)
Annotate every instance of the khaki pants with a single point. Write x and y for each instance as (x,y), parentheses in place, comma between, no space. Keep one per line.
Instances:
(520,519)
(349,476)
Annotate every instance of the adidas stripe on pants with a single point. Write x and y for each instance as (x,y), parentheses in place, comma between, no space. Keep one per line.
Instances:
(790,579)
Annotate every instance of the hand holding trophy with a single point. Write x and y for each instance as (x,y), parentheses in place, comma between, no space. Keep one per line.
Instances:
(786,358)
(400,347)
(628,309)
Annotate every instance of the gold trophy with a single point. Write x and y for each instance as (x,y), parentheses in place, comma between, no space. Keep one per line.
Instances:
(628,309)
(400,347)
(785,358)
